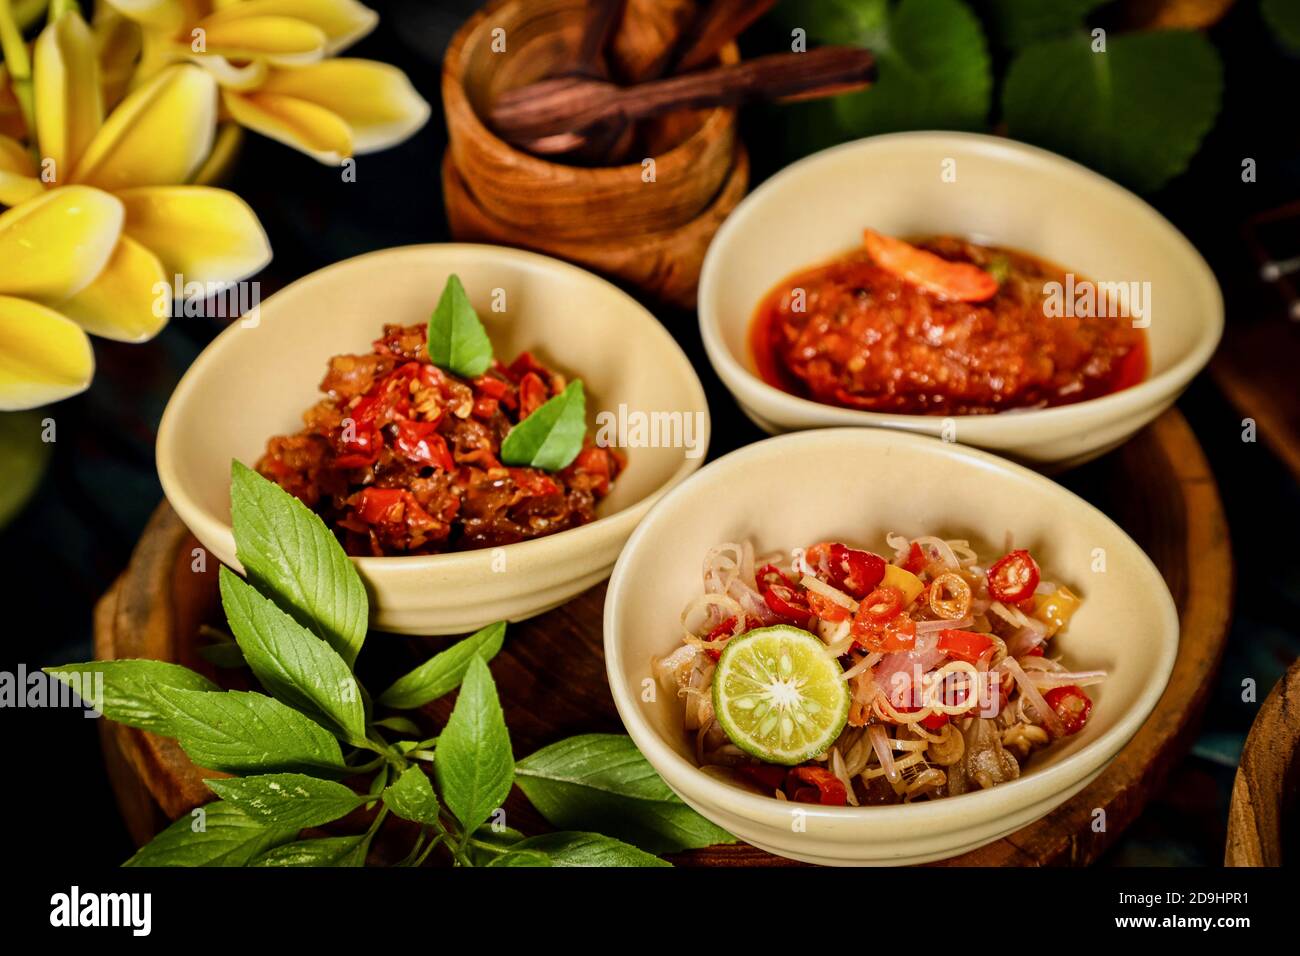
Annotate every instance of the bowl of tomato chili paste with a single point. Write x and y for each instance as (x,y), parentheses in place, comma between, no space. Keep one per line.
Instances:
(958,285)
(439,407)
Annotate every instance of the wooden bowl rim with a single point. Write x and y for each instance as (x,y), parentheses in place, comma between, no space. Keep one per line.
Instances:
(456,101)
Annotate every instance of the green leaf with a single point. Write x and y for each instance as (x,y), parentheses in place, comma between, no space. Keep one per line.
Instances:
(580,849)
(457,340)
(241,732)
(24,456)
(933,70)
(411,797)
(474,766)
(326,851)
(1018,23)
(403,725)
(528,858)
(551,436)
(214,835)
(443,672)
(292,557)
(129,688)
(601,782)
(287,799)
(1283,17)
(1137,112)
(291,662)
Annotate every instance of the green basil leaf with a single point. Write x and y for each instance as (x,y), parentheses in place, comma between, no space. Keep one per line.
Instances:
(214,835)
(580,849)
(287,799)
(24,455)
(411,797)
(129,687)
(403,725)
(293,558)
(529,858)
(1136,112)
(291,662)
(474,766)
(326,851)
(242,732)
(457,340)
(551,437)
(601,782)
(442,673)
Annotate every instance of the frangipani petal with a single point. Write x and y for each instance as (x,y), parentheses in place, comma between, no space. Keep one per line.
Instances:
(157,136)
(131,299)
(247,75)
(307,127)
(44,357)
(165,15)
(53,246)
(343,22)
(278,39)
(375,100)
(69,103)
(201,234)
(18,181)
(118,41)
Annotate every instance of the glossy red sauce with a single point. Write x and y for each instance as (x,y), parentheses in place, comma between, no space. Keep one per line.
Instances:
(869,340)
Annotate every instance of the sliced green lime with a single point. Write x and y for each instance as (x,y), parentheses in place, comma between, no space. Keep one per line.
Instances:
(779,695)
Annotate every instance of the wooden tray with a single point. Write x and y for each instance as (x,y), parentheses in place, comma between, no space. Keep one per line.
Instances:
(551,673)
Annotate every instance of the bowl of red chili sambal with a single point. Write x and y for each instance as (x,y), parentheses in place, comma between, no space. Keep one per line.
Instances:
(964,286)
(437,408)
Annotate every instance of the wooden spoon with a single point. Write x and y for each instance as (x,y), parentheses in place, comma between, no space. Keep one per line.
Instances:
(720,23)
(574,104)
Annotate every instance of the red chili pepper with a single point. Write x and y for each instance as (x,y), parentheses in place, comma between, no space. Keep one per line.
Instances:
(358,445)
(532,394)
(915,561)
(378,505)
(525,363)
(854,571)
(485,408)
(830,788)
(598,463)
(765,775)
(880,624)
(881,606)
(935,721)
(968,646)
(493,387)
(724,629)
(533,483)
(788,604)
(1071,704)
(1013,577)
(770,574)
(826,609)
(420,441)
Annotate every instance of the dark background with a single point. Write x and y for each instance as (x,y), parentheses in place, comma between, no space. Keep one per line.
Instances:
(76,535)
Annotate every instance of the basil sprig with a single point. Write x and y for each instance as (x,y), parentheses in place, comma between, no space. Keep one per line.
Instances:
(310,752)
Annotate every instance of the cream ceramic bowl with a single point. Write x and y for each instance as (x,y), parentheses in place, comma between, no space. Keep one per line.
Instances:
(252,383)
(1006,194)
(855,485)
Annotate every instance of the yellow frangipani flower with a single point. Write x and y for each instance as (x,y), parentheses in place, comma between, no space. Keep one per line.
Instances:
(273,61)
(131,168)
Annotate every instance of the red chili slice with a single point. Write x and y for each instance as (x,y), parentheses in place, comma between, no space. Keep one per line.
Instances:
(967,646)
(724,629)
(533,483)
(881,606)
(854,571)
(765,775)
(1013,577)
(788,604)
(915,561)
(830,789)
(532,394)
(826,609)
(1071,704)
(378,505)
(420,442)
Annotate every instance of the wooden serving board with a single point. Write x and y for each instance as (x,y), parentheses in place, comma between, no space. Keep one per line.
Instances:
(551,672)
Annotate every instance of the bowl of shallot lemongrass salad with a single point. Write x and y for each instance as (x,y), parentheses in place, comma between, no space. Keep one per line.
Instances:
(840,676)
